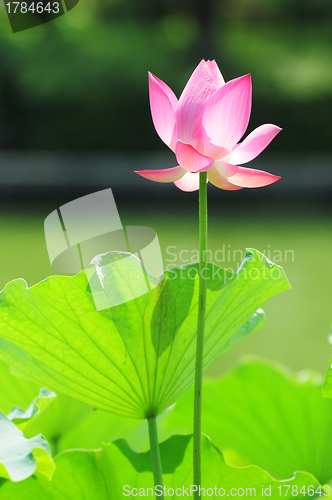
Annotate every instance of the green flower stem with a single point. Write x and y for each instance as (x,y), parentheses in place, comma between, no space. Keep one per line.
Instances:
(200,330)
(155,453)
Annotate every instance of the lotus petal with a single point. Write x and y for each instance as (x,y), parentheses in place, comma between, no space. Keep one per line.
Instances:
(226,115)
(163,175)
(245,177)
(202,85)
(219,181)
(189,182)
(253,145)
(163,103)
(190,159)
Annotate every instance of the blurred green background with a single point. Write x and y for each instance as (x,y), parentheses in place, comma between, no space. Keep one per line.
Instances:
(298,320)
(80,82)
(79,85)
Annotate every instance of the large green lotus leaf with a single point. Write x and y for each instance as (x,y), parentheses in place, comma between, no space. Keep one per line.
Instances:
(99,427)
(136,358)
(24,418)
(327,388)
(56,421)
(265,415)
(67,422)
(15,391)
(103,474)
(21,457)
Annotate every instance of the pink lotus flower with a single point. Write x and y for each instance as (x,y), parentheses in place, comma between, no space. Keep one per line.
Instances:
(203,128)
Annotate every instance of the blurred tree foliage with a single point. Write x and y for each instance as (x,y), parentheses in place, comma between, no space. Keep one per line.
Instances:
(80,82)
